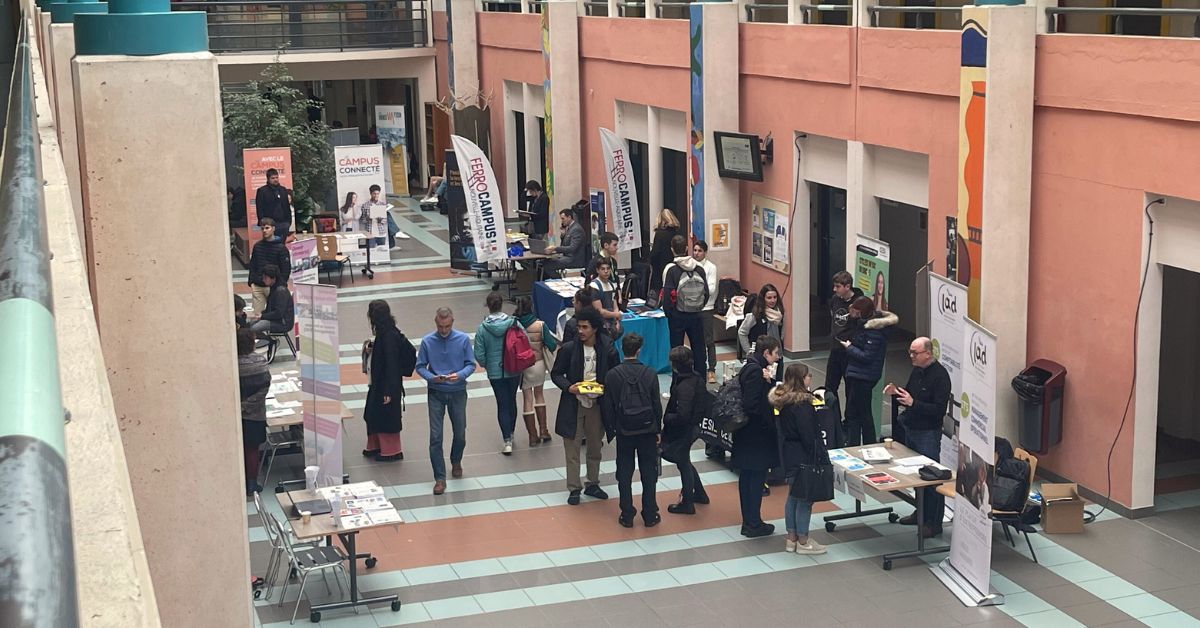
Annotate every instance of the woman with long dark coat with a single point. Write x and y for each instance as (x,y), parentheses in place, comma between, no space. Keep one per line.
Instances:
(391,358)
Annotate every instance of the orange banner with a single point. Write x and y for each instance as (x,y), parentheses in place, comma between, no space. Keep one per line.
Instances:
(256,162)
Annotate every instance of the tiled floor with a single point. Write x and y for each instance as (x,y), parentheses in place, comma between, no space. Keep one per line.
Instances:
(502,548)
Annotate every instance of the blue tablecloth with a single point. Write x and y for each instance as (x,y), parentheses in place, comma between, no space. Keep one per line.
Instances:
(547,304)
(657,340)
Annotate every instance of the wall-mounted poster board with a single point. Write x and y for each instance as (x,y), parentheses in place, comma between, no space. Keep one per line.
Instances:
(770,233)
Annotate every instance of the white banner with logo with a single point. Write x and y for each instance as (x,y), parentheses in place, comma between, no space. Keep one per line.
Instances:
(947,320)
(971,544)
(627,220)
(485,215)
(358,168)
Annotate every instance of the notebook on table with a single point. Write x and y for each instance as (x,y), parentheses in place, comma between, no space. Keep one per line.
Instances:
(313,507)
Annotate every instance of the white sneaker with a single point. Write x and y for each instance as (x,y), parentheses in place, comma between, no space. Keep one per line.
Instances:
(789,546)
(507,448)
(811,547)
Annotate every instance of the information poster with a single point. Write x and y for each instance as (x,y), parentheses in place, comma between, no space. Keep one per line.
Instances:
(320,380)
(305,267)
(719,235)
(359,168)
(462,246)
(947,322)
(769,233)
(871,261)
(971,544)
(598,224)
(393,135)
(256,162)
(627,221)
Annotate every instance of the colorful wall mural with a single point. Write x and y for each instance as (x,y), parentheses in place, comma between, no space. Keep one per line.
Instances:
(696,142)
(972,114)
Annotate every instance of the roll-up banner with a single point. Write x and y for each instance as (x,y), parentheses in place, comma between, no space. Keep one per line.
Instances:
(255,164)
(627,222)
(871,264)
(393,135)
(485,215)
(947,322)
(320,380)
(359,168)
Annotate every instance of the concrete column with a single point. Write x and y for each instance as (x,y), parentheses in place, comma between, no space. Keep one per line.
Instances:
(464,42)
(862,207)
(163,311)
(721,113)
(798,320)
(564,102)
(62,49)
(1007,169)
(533,109)
(654,195)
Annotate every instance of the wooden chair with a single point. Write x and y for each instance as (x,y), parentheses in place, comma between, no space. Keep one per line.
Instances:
(330,258)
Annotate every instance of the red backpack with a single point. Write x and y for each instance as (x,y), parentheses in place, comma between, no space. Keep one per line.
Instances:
(518,355)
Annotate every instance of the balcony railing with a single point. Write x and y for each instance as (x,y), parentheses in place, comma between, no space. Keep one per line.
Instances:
(919,17)
(301,25)
(37,555)
(1119,19)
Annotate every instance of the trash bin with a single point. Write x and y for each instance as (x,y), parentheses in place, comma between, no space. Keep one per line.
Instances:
(1040,389)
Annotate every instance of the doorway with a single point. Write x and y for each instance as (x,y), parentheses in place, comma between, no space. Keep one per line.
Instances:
(518,126)
(639,162)
(906,228)
(674,178)
(1177,441)
(827,255)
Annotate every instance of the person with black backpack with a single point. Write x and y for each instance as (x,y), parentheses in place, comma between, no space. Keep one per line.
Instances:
(685,294)
(392,358)
(690,402)
(632,411)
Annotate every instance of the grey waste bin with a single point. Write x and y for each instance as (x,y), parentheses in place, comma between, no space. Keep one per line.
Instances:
(1040,389)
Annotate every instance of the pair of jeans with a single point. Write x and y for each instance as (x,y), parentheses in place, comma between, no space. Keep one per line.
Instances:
(439,403)
(690,479)
(860,416)
(688,323)
(393,229)
(505,389)
(835,369)
(928,443)
(796,515)
(750,494)
(708,323)
(645,448)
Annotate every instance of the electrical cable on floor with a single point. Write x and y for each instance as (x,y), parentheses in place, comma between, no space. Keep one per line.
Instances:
(1088,516)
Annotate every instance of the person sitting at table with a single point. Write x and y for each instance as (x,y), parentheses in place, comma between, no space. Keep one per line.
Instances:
(584,297)
(280,315)
(609,292)
(269,250)
(239,311)
(391,358)
(802,445)
(608,251)
(571,246)
(254,382)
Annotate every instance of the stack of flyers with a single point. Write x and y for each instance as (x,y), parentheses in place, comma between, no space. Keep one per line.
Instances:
(374,502)
(879,478)
(379,517)
(846,461)
(350,522)
(350,512)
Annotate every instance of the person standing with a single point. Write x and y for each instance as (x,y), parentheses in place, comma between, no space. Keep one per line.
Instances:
(632,412)
(584,297)
(755,445)
(685,293)
(865,356)
(571,247)
(539,208)
(445,361)
(661,251)
(280,314)
(254,382)
(765,318)
(801,445)
(609,293)
(392,358)
(585,359)
(489,349)
(270,250)
(681,427)
(608,251)
(700,254)
(841,328)
(533,380)
(925,399)
(346,212)
(275,202)
(364,218)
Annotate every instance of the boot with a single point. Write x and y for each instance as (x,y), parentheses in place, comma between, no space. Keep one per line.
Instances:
(541,419)
(532,429)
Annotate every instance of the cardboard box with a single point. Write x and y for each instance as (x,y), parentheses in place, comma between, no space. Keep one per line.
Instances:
(1062,509)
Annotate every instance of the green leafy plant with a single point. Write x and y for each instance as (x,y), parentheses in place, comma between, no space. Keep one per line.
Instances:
(273,112)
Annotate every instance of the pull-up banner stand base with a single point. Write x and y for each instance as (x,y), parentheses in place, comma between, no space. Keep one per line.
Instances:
(962,589)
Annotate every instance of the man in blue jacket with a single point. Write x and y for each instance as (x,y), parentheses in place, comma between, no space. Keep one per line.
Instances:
(445,361)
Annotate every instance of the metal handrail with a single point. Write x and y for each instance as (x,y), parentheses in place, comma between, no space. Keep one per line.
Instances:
(36,543)
(1118,12)
(245,25)
(874,11)
(659,6)
(806,10)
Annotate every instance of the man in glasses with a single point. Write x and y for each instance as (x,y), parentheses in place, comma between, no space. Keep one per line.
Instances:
(924,401)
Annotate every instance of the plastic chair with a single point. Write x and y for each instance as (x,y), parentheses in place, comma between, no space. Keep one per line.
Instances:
(305,561)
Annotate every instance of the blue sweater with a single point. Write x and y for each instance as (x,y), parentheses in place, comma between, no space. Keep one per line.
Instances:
(443,356)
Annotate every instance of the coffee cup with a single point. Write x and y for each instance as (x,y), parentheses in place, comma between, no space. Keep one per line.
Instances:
(305,517)
(887,442)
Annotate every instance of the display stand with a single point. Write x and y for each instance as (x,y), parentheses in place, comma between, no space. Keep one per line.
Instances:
(962,589)
(370,244)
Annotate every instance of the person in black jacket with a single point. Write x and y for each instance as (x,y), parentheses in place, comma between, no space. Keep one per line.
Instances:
(270,250)
(801,445)
(684,269)
(392,358)
(925,400)
(755,447)
(681,428)
(841,328)
(632,411)
(275,202)
(865,355)
(280,315)
(587,358)
(254,381)
(539,208)
(660,249)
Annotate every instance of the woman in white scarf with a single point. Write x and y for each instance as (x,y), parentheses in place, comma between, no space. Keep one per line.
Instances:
(765,318)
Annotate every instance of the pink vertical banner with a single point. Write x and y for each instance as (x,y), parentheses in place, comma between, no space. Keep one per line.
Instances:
(320,380)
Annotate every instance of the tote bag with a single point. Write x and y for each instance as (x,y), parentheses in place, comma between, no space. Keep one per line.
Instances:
(814,482)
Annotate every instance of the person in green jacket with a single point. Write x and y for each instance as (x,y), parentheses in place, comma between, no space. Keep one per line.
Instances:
(489,350)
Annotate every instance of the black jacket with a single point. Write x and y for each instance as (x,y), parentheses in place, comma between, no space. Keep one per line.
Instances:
(841,326)
(392,356)
(539,211)
(266,252)
(568,369)
(660,254)
(867,350)
(755,446)
(614,392)
(930,390)
(280,309)
(681,420)
(801,437)
(272,201)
